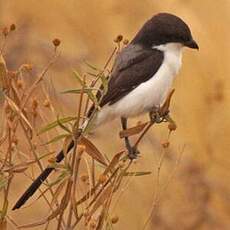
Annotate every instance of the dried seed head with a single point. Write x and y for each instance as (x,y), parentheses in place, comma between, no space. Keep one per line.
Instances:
(19,84)
(46,103)
(172,126)
(5,31)
(13,147)
(12,74)
(81,149)
(7,108)
(118,38)
(3,223)
(84,178)
(165,144)
(34,146)
(93,224)
(27,67)
(34,104)
(138,123)
(114,219)
(56,42)
(14,129)
(10,116)
(86,213)
(12,27)
(15,140)
(102,178)
(35,113)
(52,160)
(126,42)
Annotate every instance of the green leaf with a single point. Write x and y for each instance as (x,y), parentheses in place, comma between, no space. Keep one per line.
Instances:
(104,81)
(90,125)
(3,212)
(109,225)
(57,138)
(3,72)
(92,74)
(93,98)
(137,173)
(45,155)
(78,77)
(56,123)
(3,182)
(60,166)
(1,94)
(62,126)
(88,91)
(78,91)
(62,176)
(91,66)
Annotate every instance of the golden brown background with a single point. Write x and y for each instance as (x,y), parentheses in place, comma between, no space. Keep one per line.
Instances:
(198,196)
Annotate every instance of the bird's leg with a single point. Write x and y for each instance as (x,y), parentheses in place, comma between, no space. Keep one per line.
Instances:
(132,150)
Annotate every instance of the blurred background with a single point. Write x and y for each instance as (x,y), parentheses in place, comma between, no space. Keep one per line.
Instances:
(198,194)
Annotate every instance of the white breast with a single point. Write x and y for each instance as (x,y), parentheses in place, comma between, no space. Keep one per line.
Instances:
(149,94)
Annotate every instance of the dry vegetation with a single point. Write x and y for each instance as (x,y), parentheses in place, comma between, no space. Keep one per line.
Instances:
(87,185)
(162,189)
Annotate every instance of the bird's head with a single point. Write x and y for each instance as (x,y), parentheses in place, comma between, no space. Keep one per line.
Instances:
(165,28)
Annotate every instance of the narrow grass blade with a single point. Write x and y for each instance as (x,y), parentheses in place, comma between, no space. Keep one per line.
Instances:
(55,124)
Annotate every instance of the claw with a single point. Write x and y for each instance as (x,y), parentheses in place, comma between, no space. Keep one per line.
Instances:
(133,153)
(157,117)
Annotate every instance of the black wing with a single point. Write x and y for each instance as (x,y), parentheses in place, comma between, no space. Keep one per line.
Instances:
(133,66)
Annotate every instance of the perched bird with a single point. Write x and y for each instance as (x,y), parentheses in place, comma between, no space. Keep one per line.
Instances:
(142,75)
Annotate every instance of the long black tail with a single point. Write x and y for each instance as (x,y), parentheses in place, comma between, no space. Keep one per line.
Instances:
(40,179)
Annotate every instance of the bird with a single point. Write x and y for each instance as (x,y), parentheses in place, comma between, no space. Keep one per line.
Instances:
(141,78)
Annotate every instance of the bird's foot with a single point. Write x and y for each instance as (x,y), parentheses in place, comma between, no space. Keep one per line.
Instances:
(157,117)
(133,152)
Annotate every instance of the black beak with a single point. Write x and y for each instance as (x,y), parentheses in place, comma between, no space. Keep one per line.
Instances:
(192,44)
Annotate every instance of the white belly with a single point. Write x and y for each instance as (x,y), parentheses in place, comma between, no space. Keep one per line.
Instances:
(149,94)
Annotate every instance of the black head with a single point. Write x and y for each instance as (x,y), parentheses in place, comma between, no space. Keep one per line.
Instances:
(164,28)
